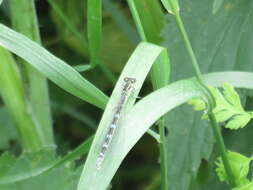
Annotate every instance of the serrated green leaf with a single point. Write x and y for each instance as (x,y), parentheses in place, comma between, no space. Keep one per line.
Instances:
(25,166)
(228,106)
(223,115)
(240,167)
(248,186)
(197,104)
(231,96)
(238,121)
(219,98)
(64,177)
(45,162)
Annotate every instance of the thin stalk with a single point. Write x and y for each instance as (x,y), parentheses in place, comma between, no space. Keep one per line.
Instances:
(12,92)
(163,156)
(153,134)
(222,148)
(189,47)
(211,116)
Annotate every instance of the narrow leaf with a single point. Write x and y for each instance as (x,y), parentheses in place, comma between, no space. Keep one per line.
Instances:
(94,26)
(171,6)
(240,167)
(52,67)
(137,67)
(144,114)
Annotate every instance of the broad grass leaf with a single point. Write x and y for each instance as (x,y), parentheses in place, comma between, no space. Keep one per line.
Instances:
(64,177)
(28,165)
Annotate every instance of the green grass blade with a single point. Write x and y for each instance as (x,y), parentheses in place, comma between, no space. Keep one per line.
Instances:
(235,78)
(94,27)
(52,67)
(137,67)
(24,20)
(136,122)
(149,19)
(31,135)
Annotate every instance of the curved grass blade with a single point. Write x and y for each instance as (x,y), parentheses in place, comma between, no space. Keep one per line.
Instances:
(235,78)
(138,66)
(31,135)
(52,67)
(141,117)
(135,123)
(94,27)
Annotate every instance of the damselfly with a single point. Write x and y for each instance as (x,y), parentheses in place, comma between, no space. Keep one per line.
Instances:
(127,88)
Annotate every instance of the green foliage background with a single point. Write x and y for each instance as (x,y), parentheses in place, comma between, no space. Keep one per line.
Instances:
(222,40)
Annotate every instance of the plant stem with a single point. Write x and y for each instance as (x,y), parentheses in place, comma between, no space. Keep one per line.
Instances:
(211,116)
(188,46)
(222,149)
(12,92)
(163,156)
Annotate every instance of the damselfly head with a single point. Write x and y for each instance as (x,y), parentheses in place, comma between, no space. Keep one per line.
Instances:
(129,79)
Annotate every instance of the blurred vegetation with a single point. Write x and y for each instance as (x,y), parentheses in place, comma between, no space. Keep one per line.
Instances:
(222,40)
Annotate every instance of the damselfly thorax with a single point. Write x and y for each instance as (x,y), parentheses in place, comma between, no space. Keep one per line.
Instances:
(127,88)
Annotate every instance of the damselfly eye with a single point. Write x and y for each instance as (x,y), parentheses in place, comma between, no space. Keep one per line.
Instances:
(126,79)
(133,80)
